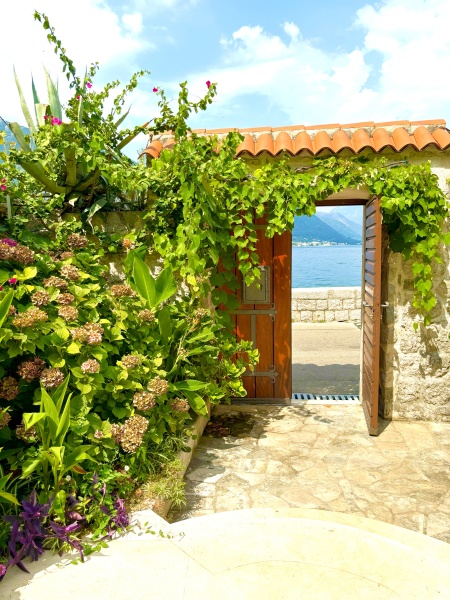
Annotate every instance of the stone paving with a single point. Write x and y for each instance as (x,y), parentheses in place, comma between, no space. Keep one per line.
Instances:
(321,457)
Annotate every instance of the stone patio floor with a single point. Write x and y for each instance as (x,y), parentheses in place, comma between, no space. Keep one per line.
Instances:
(321,457)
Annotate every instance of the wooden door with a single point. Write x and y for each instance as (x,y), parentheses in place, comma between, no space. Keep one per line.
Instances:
(264,317)
(371,312)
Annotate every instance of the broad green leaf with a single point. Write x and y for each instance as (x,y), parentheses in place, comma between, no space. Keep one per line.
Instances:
(145,284)
(98,204)
(20,137)
(190,385)
(4,480)
(53,96)
(165,286)
(60,393)
(59,504)
(165,325)
(30,465)
(64,423)
(25,110)
(9,497)
(119,412)
(5,303)
(50,411)
(41,111)
(122,118)
(79,454)
(73,348)
(31,419)
(197,403)
(129,138)
(28,273)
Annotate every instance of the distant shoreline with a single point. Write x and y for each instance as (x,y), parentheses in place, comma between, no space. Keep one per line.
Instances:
(323,244)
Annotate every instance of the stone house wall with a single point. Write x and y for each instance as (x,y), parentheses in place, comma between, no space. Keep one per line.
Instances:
(319,305)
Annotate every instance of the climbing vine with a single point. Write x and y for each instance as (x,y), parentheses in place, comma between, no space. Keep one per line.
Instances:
(205,205)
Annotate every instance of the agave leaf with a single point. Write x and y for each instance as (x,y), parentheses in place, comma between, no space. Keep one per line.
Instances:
(71,166)
(53,97)
(129,138)
(37,171)
(80,111)
(122,118)
(41,110)
(33,89)
(18,134)
(25,110)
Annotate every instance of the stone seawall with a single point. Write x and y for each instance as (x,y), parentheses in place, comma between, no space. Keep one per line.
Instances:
(318,305)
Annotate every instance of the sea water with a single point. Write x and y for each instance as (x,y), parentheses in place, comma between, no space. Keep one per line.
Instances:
(326,266)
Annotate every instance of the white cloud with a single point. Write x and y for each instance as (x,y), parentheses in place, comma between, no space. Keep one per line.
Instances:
(133,22)
(408,38)
(91,32)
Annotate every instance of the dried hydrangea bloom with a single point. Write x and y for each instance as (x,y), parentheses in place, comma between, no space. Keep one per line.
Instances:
(120,291)
(65,298)
(40,298)
(30,435)
(147,315)
(201,313)
(12,310)
(51,378)
(98,434)
(91,333)
(117,432)
(90,366)
(129,361)
(133,432)
(77,241)
(143,400)
(31,369)
(56,282)
(158,386)
(68,254)
(30,317)
(6,251)
(5,418)
(9,388)
(180,405)
(70,272)
(68,313)
(23,255)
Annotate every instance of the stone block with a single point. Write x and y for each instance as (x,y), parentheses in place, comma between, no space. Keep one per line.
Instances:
(319,315)
(341,315)
(306,304)
(349,304)
(295,316)
(334,304)
(322,304)
(306,316)
(329,315)
(355,315)
(343,293)
(310,293)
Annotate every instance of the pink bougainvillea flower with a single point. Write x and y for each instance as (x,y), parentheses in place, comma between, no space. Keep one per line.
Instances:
(208,83)
(9,242)
(155,89)
(3,187)
(1,287)
(88,84)
(3,180)
(45,117)
(79,96)
(56,121)
(13,280)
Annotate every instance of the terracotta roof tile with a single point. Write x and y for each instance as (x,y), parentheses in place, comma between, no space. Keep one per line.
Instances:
(330,138)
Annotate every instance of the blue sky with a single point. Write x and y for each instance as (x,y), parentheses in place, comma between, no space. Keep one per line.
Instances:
(276,63)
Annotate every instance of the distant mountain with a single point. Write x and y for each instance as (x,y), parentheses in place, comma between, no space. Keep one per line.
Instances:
(352,213)
(341,224)
(313,229)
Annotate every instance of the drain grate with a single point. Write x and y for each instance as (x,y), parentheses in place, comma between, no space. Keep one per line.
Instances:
(326,398)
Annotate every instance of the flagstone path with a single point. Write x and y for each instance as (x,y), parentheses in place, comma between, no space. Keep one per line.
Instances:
(321,457)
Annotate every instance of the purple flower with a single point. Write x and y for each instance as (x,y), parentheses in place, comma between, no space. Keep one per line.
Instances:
(13,280)
(9,242)
(88,85)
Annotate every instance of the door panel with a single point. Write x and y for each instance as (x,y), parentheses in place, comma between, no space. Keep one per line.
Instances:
(371,314)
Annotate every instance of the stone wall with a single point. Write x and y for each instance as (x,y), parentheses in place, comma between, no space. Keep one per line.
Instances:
(319,305)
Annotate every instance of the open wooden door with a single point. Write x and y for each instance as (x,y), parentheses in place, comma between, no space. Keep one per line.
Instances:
(264,317)
(371,313)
